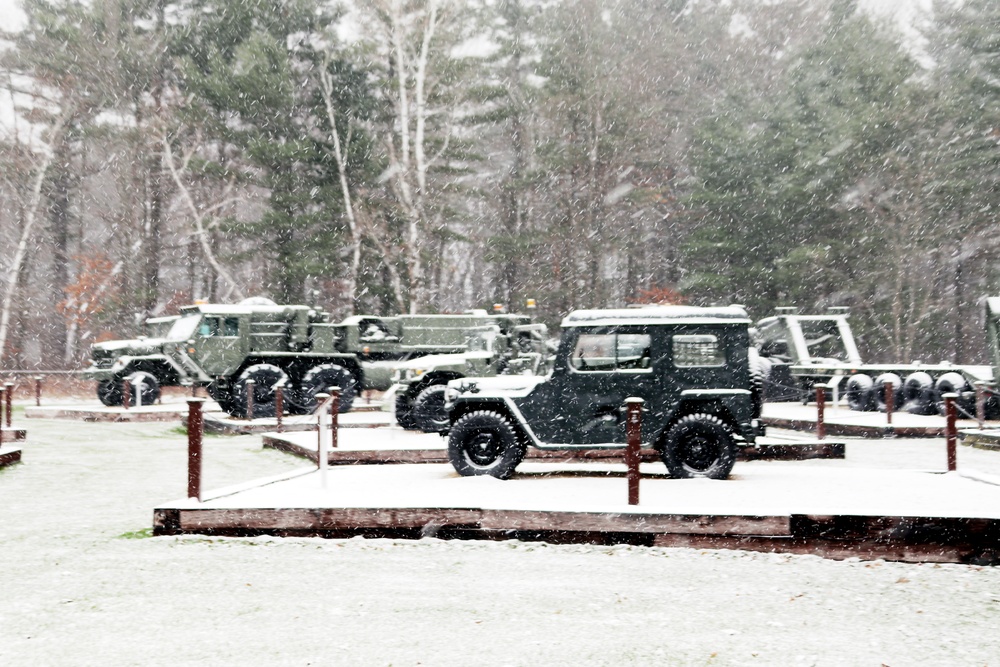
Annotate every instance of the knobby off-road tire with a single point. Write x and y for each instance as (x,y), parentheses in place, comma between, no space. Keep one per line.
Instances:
(918,394)
(150,388)
(404,412)
(485,443)
(953,383)
(321,379)
(879,393)
(429,414)
(858,392)
(265,376)
(109,392)
(699,445)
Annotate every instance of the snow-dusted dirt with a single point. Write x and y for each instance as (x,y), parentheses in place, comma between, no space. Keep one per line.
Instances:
(78,588)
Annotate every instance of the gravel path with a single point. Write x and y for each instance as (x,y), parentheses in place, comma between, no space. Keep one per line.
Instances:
(83,584)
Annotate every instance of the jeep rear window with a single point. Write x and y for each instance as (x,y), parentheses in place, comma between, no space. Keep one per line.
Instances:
(611,352)
(692,350)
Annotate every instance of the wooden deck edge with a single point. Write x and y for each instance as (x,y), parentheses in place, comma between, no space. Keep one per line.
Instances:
(789,452)
(907,539)
(9,456)
(14,434)
(859,430)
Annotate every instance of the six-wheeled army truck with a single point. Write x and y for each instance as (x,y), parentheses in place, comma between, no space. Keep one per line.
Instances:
(225,347)
(690,365)
(418,394)
(800,351)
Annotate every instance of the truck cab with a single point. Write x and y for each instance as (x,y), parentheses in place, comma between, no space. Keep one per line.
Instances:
(690,365)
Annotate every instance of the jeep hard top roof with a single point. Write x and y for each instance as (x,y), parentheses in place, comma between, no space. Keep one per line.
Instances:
(652,315)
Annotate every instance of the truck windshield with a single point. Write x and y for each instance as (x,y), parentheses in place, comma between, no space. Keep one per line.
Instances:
(184,328)
(823,340)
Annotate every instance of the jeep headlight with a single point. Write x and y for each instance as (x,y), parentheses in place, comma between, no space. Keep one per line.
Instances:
(414,373)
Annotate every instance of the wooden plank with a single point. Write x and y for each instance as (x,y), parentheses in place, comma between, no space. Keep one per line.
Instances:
(635,523)
(322,518)
(14,434)
(9,456)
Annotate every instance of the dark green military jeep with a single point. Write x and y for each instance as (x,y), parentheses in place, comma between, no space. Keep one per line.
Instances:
(690,365)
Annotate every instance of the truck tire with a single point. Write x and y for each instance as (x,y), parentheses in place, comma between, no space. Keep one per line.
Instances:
(264,376)
(952,383)
(699,445)
(150,388)
(858,392)
(323,378)
(429,414)
(758,374)
(404,412)
(918,394)
(879,391)
(109,392)
(485,443)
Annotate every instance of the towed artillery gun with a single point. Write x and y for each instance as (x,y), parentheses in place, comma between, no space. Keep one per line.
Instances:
(797,352)
(257,346)
(690,365)
(420,384)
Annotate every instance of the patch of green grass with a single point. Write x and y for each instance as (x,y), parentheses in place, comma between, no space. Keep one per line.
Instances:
(137,534)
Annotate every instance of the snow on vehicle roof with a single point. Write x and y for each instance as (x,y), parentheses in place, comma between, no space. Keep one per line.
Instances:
(658,315)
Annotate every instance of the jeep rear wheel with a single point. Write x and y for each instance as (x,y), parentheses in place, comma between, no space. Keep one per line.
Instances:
(429,414)
(485,443)
(699,445)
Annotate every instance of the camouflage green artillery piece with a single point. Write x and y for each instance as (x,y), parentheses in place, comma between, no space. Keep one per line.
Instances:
(420,386)
(230,348)
(797,352)
(690,365)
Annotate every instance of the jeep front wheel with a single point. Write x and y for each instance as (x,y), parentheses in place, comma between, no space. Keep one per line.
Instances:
(429,414)
(699,445)
(484,443)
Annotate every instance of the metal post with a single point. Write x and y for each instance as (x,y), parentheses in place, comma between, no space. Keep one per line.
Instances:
(126,394)
(2,392)
(980,403)
(633,432)
(194,429)
(890,401)
(279,405)
(820,411)
(950,433)
(138,384)
(250,385)
(38,391)
(324,434)
(10,394)
(334,416)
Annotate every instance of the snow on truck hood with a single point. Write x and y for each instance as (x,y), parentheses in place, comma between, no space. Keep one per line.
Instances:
(433,360)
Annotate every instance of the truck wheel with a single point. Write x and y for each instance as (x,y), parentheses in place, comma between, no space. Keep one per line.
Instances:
(404,412)
(109,392)
(858,392)
(952,383)
(323,378)
(484,443)
(150,388)
(699,445)
(759,368)
(879,394)
(918,394)
(264,376)
(428,409)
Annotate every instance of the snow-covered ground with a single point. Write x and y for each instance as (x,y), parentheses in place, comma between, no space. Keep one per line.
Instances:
(79,587)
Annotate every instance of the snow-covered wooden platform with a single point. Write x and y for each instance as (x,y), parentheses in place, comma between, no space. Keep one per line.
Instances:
(363,416)
(985,438)
(395,445)
(9,455)
(13,434)
(903,515)
(842,421)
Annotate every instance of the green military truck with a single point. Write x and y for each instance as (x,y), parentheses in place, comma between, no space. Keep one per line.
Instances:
(418,395)
(230,348)
(800,351)
(691,366)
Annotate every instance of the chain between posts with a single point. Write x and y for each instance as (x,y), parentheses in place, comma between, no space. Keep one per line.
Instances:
(633,432)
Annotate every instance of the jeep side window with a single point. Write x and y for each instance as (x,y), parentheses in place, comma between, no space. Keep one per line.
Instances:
(611,352)
(693,350)
(231,326)
(209,327)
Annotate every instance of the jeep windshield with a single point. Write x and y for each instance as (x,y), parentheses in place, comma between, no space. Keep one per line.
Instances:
(184,328)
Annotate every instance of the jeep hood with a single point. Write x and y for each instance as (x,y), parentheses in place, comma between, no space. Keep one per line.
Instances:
(436,360)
